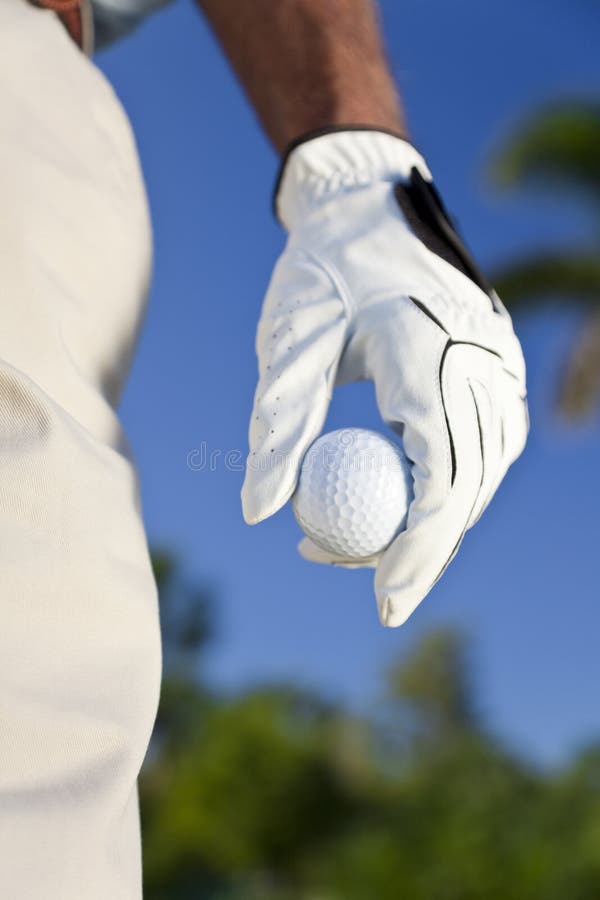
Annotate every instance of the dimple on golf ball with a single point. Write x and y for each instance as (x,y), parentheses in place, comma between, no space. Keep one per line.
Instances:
(353,493)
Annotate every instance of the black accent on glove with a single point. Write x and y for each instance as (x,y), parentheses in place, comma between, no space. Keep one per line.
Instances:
(429,219)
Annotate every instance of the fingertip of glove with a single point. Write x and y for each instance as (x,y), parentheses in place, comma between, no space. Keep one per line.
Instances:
(260,502)
(394,612)
(252,512)
(251,520)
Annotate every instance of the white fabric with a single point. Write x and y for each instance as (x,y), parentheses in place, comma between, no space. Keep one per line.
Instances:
(447,369)
(79,636)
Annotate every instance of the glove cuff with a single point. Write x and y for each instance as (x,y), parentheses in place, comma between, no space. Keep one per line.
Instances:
(325,163)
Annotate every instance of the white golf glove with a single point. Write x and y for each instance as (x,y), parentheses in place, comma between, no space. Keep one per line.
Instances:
(375,284)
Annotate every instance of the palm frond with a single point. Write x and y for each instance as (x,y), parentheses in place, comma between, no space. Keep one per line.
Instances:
(580,385)
(558,147)
(551,277)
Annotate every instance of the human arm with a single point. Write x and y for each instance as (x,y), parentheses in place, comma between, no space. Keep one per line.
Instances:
(374,284)
(308,64)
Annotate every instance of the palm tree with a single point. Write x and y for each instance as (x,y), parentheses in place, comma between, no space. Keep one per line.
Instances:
(559,150)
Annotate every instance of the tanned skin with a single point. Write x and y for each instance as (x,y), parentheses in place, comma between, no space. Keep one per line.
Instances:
(308,64)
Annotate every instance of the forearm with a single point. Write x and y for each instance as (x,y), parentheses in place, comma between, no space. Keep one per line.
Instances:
(308,64)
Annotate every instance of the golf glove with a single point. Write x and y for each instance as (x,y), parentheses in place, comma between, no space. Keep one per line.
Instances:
(374,283)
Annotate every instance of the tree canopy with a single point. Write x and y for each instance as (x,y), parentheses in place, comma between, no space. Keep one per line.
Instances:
(276,794)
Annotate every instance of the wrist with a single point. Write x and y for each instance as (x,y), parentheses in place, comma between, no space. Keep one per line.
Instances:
(339,110)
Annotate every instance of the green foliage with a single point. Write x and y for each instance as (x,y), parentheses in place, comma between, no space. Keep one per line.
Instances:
(557,150)
(274,794)
(433,685)
(551,277)
(251,791)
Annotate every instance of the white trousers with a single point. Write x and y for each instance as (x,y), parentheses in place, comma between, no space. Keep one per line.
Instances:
(79,637)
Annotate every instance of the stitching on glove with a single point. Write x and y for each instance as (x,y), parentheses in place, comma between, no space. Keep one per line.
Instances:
(451,343)
(492,489)
(337,179)
(470,383)
(499,356)
(317,133)
(428,313)
(482,347)
(450,439)
(424,309)
(465,529)
(336,280)
(494,481)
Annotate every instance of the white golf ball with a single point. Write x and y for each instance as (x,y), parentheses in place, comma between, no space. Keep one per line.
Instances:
(353,493)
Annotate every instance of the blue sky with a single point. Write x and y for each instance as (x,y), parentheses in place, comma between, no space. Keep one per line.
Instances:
(525,585)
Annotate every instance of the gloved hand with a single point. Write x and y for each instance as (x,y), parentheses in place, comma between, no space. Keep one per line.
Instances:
(375,284)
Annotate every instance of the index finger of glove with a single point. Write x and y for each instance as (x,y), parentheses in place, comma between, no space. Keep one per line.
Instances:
(299,342)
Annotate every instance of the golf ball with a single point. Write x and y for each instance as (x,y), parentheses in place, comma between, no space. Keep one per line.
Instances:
(353,493)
